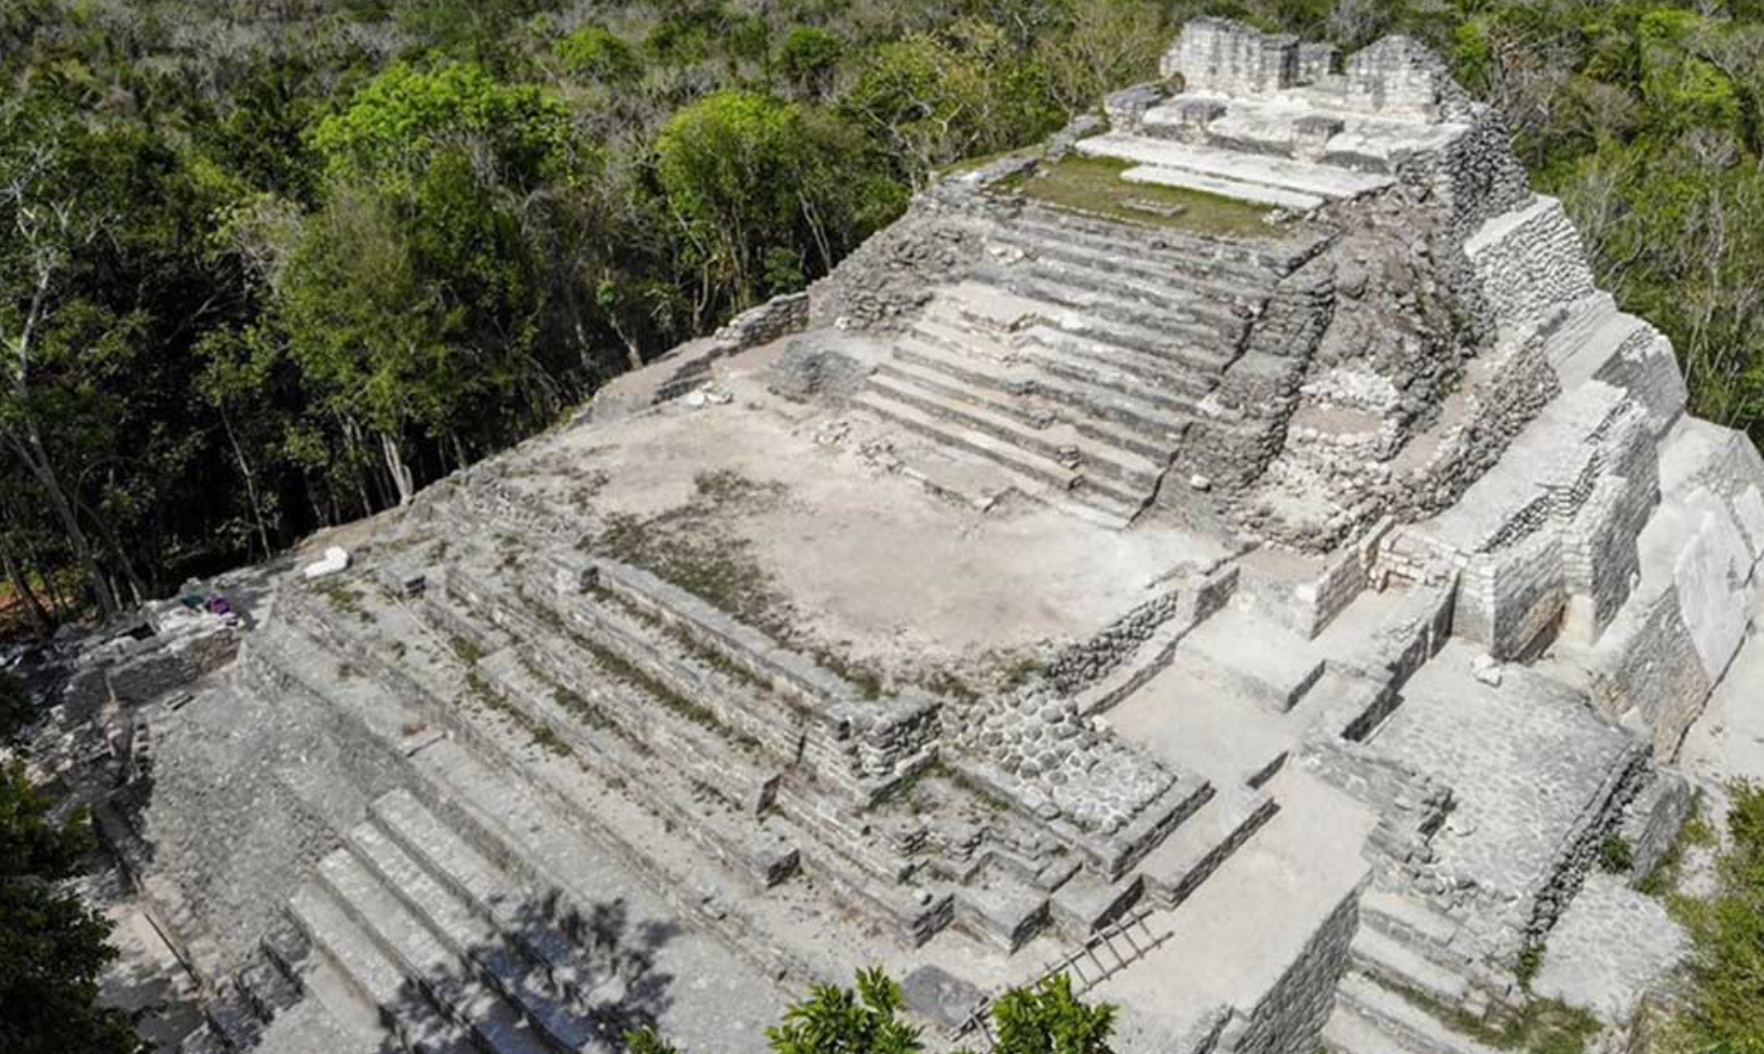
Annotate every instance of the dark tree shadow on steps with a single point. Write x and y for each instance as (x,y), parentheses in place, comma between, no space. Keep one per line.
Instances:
(608,984)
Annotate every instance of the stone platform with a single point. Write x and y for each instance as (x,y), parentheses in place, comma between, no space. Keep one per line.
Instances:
(1251,524)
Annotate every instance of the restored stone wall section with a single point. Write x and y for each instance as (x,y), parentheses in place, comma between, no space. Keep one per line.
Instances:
(1646,367)
(1657,682)
(1290,1018)
(1479,174)
(1398,77)
(137,671)
(1531,265)
(1087,662)
(1219,55)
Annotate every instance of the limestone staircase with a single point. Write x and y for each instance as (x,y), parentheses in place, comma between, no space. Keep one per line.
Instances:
(443,942)
(1075,358)
(1404,972)
(414,917)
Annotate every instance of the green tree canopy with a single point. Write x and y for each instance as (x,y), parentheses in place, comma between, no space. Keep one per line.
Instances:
(835,1020)
(596,53)
(396,124)
(1050,1019)
(52,948)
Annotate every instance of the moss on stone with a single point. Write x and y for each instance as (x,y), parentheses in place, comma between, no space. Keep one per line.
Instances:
(1094,185)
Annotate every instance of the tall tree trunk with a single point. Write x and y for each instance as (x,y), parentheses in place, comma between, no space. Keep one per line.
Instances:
(399,471)
(29,447)
(22,586)
(250,478)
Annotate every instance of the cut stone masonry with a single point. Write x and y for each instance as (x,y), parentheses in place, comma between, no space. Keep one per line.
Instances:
(1313,567)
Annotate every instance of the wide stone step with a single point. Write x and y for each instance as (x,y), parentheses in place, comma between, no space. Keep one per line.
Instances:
(1232,262)
(1054,441)
(1087,903)
(1115,304)
(1002,910)
(1346,1032)
(1098,264)
(1062,366)
(499,959)
(1012,446)
(1078,356)
(374,975)
(1110,417)
(428,964)
(1185,346)
(1257,170)
(1224,187)
(1414,925)
(1041,476)
(1402,1024)
(1219,298)
(310,1027)
(995,394)
(1204,841)
(1387,959)
(506,903)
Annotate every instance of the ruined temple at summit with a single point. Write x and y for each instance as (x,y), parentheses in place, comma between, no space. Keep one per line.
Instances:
(1232,554)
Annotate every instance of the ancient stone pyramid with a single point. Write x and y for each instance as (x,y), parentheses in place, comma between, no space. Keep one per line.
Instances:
(1234,554)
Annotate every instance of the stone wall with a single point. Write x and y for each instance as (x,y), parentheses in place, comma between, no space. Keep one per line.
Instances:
(1656,682)
(1290,1018)
(1219,55)
(1530,264)
(1398,77)
(888,278)
(136,671)
(1646,367)
(1652,821)
(1478,173)
(757,326)
(1512,601)
(1083,664)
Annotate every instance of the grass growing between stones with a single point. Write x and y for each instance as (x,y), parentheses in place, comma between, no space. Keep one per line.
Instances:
(1542,1026)
(342,595)
(485,695)
(632,675)
(1722,1008)
(1697,833)
(1094,185)
(693,548)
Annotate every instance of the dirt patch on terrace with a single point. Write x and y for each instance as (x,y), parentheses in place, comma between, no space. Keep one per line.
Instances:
(741,504)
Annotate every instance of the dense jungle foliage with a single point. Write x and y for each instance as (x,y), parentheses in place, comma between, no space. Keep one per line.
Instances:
(268,265)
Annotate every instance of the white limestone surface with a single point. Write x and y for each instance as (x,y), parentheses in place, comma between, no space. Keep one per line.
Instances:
(1228,188)
(1278,172)
(1712,574)
(1610,947)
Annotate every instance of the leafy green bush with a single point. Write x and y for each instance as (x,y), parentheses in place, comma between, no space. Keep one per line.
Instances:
(1046,1019)
(808,56)
(52,947)
(836,1020)
(16,706)
(1049,1019)
(596,53)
